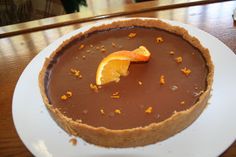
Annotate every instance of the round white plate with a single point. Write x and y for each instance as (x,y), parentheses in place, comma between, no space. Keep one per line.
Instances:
(212,133)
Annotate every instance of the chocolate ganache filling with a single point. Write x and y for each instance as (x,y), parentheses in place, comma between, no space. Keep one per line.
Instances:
(140,98)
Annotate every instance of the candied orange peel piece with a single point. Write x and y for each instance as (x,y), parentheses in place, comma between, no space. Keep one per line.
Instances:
(81,46)
(67,95)
(159,39)
(117,111)
(132,35)
(102,111)
(148,110)
(179,59)
(186,71)
(162,80)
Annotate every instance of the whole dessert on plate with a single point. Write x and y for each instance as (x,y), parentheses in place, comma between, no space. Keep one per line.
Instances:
(127,83)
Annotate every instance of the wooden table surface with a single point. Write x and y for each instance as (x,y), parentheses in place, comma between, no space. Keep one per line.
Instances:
(17,51)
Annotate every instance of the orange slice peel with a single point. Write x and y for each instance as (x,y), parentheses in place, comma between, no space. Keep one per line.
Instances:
(117,63)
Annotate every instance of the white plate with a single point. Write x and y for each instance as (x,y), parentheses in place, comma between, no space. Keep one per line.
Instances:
(212,133)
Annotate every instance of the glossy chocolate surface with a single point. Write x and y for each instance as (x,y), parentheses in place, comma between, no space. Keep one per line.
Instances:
(138,91)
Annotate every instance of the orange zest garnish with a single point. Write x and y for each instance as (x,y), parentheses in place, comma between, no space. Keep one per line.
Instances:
(186,71)
(140,83)
(93,87)
(75,72)
(131,35)
(67,95)
(115,96)
(116,93)
(102,111)
(159,39)
(117,111)
(179,59)
(171,52)
(182,102)
(148,110)
(81,46)
(113,44)
(162,79)
(64,97)
(103,50)
(117,63)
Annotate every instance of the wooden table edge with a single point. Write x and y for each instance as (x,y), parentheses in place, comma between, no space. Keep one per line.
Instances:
(74,18)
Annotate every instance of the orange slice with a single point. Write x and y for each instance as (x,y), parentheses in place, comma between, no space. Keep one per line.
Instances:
(117,63)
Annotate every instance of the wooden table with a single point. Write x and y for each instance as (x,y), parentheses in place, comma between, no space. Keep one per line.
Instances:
(18,50)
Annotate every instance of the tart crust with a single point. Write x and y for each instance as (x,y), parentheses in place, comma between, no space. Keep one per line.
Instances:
(139,136)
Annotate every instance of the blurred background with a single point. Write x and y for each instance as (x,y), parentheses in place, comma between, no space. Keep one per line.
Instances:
(17,11)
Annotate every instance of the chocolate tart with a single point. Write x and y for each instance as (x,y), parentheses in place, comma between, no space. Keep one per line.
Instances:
(140,109)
